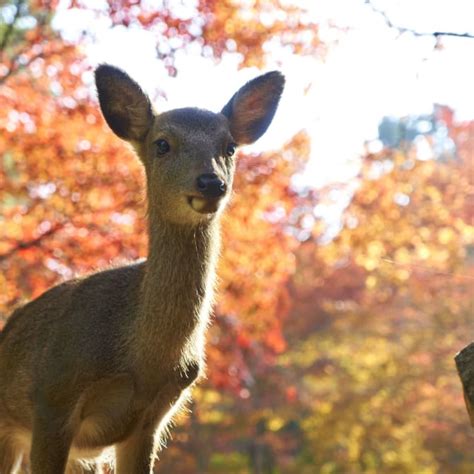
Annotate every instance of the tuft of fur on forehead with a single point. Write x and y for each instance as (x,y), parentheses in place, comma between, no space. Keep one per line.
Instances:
(126,108)
(192,118)
(252,108)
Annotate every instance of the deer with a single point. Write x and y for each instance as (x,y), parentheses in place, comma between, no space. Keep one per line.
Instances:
(105,361)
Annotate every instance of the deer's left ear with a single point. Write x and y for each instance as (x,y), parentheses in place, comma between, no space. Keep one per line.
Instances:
(126,108)
(251,109)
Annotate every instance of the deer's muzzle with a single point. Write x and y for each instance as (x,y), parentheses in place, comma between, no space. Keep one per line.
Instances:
(210,185)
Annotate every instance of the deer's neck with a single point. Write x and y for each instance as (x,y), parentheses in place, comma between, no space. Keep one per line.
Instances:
(177,290)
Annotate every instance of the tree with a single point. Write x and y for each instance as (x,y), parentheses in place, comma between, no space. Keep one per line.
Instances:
(334,355)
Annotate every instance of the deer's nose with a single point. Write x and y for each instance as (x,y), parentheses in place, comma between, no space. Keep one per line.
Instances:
(210,185)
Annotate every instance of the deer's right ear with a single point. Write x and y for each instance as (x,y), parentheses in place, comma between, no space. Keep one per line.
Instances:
(252,107)
(126,108)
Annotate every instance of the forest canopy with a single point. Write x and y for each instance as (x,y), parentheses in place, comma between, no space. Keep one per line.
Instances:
(330,351)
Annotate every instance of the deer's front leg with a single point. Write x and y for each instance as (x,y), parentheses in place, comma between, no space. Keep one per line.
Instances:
(136,455)
(50,444)
(10,455)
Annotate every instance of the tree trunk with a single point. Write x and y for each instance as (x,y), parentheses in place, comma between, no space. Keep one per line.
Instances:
(465,365)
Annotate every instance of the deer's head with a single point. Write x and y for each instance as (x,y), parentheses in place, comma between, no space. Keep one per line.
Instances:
(188,153)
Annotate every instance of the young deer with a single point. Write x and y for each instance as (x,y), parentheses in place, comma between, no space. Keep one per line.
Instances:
(107,360)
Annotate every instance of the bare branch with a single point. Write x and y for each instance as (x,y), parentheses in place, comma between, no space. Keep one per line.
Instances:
(30,243)
(17,66)
(401,29)
(130,203)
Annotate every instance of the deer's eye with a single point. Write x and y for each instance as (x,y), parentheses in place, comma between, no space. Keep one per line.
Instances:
(162,146)
(230,150)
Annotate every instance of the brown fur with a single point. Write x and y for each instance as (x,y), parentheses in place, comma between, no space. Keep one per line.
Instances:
(106,360)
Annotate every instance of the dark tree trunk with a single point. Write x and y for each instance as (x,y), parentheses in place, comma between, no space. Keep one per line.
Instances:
(465,365)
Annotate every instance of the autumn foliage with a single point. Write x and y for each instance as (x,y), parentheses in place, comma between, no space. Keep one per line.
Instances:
(329,355)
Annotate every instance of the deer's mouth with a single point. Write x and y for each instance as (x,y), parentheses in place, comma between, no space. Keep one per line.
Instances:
(204,205)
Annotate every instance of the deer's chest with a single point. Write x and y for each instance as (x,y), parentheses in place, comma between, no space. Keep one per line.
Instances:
(106,413)
(111,409)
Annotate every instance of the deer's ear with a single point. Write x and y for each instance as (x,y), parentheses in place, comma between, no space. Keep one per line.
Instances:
(251,109)
(126,108)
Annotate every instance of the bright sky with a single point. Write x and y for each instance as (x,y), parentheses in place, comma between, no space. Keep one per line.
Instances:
(371,71)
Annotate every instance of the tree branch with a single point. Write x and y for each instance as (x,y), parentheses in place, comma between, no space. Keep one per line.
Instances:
(24,54)
(401,29)
(11,26)
(16,67)
(130,203)
(30,243)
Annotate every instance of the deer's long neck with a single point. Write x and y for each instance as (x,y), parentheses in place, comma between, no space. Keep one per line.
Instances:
(177,289)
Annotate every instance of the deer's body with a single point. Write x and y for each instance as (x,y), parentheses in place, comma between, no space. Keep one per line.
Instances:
(106,360)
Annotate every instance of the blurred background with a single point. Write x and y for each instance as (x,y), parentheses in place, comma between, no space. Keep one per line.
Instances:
(346,279)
